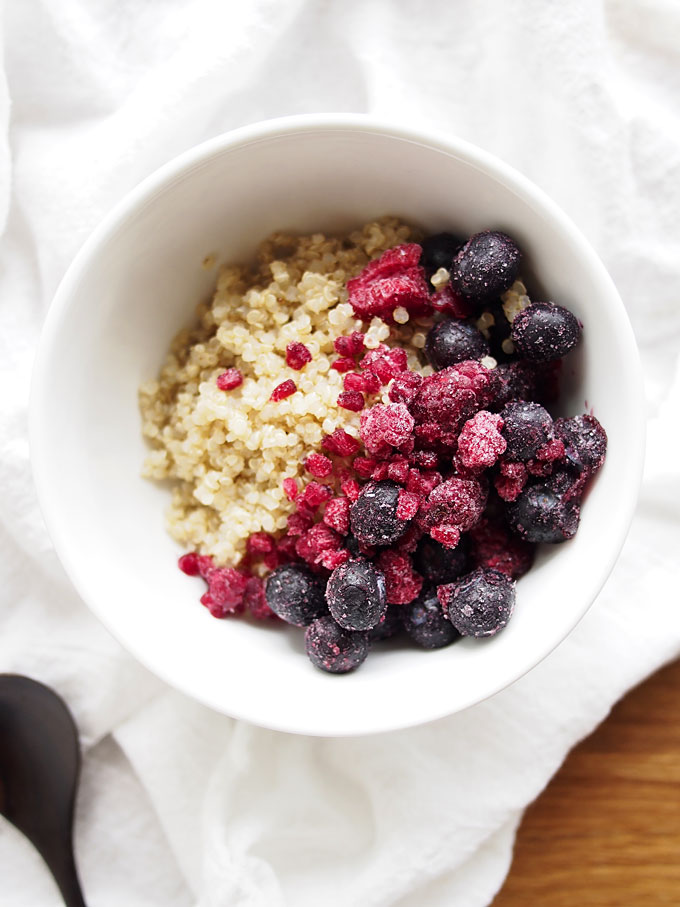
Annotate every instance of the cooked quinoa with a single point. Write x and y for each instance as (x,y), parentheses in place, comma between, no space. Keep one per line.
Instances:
(229,451)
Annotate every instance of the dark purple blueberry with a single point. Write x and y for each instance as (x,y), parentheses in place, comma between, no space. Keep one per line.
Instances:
(585,441)
(486,266)
(439,251)
(479,604)
(452,341)
(389,625)
(545,331)
(356,595)
(526,428)
(295,594)
(373,516)
(352,545)
(516,381)
(438,564)
(499,330)
(541,515)
(426,623)
(333,649)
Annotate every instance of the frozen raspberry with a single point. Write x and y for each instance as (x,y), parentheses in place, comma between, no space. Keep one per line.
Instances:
(230,379)
(408,542)
(290,488)
(315,541)
(373,516)
(366,382)
(384,426)
(449,397)
(422,482)
(331,559)
(545,331)
(398,471)
(340,443)
(385,363)
(394,280)
(407,505)
(439,564)
(541,515)
(356,595)
(455,502)
(189,564)
(206,565)
(314,495)
(297,355)
(495,547)
(380,471)
(405,387)
(450,302)
(511,480)
(283,390)
(568,482)
(480,442)
(402,583)
(343,365)
(255,601)
(351,400)
(298,523)
(585,441)
(351,345)
(426,624)
(351,489)
(388,626)
(526,428)
(226,588)
(336,515)
(332,649)
(260,543)
(318,465)
(479,604)
(424,459)
(451,341)
(364,466)
(285,549)
(439,250)
(486,266)
(295,594)
(447,534)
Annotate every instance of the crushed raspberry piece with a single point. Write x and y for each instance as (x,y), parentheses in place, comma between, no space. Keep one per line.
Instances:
(226,587)
(553,450)
(286,549)
(352,400)
(394,280)
(260,543)
(384,426)
(380,471)
(298,523)
(408,542)
(343,365)
(271,559)
(451,303)
(366,382)
(364,466)
(319,465)
(512,479)
(407,505)
(283,390)
(297,355)
(456,502)
(188,563)
(255,602)
(314,495)
(405,387)
(480,442)
(398,471)
(351,345)
(446,534)
(207,602)
(315,541)
(449,397)
(494,546)
(230,379)
(336,515)
(385,363)
(341,443)
(332,559)
(290,488)
(402,583)
(424,459)
(206,565)
(422,482)
(351,489)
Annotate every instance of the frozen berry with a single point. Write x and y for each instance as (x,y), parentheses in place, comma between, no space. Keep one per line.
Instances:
(395,280)
(439,564)
(388,626)
(541,515)
(439,251)
(230,379)
(352,400)
(336,515)
(449,397)
(343,365)
(495,547)
(486,266)
(373,516)
(426,623)
(405,387)
(283,390)
(526,428)
(456,502)
(384,426)
(295,594)
(341,443)
(351,345)
(450,303)
(402,582)
(545,331)
(356,595)
(480,603)
(226,587)
(297,355)
(452,341)
(189,564)
(585,441)
(480,442)
(333,649)
(255,600)
(516,381)
(319,465)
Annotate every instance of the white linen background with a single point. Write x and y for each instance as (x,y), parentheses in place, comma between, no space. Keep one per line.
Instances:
(180,806)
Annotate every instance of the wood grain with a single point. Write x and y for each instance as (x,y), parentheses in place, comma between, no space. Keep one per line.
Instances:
(606,831)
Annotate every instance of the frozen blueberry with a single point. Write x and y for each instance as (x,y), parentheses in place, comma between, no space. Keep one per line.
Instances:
(486,266)
(585,441)
(389,625)
(452,341)
(526,428)
(438,564)
(545,331)
(479,604)
(295,594)
(498,330)
(439,251)
(542,515)
(333,649)
(426,623)
(373,516)
(356,595)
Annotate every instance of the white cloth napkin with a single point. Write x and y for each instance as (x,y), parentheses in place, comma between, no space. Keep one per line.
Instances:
(180,806)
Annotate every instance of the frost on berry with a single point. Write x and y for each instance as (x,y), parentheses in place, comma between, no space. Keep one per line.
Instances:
(448,398)
(451,303)
(394,280)
(480,442)
(405,387)
(384,426)
(385,363)
(495,547)
(318,465)
(351,345)
(283,390)
(352,400)
(455,503)
(230,379)
(407,505)
(297,355)
(402,582)
(511,480)
(254,600)
(315,541)
(336,515)
(340,443)
(226,588)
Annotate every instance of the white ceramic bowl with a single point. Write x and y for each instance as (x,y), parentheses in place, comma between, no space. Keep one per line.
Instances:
(136,282)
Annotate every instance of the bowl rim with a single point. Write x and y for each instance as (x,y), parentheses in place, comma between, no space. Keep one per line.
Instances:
(266,130)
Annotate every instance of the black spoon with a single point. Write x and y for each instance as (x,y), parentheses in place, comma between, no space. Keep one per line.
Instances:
(39,766)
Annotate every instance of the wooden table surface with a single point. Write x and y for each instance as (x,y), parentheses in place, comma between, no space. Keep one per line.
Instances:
(606,831)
